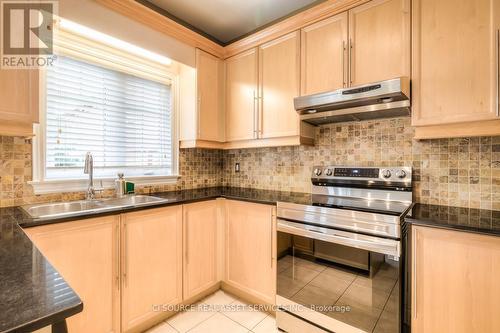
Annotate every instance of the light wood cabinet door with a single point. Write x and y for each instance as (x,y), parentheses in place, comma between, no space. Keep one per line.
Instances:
(455,61)
(86,253)
(18,101)
(250,249)
(324,55)
(210,111)
(241,96)
(455,282)
(379,41)
(200,247)
(151,263)
(279,84)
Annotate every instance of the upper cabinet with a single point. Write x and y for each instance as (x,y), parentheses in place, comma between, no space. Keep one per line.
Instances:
(379,41)
(324,55)
(242,82)
(455,66)
(18,101)
(260,87)
(280,79)
(202,122)
(366,44)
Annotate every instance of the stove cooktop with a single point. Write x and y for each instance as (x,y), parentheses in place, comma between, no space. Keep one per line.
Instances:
(395,208)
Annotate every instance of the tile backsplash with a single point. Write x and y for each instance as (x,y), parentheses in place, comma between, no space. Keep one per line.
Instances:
(198,168)
(459,172)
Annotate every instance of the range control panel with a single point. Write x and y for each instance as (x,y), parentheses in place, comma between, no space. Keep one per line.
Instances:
(393,174)
(357,172)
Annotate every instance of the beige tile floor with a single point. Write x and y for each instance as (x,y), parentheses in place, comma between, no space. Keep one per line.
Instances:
(219,313)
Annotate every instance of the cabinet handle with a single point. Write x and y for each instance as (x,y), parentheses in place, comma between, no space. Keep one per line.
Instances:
(255,124)
(351,50)
(187,242)
(117,235)
(272,231)
(125,264)
(414,273)
(198,107)
(497,53)
(343,63)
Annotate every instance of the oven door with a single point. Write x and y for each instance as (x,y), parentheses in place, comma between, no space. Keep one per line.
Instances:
(337,281)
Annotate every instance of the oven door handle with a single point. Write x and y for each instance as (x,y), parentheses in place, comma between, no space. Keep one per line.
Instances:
(370,243)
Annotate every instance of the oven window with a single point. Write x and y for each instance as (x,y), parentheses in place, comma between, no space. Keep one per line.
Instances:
(357,287)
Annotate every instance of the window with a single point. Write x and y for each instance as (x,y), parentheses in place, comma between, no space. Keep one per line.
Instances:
(123,120)
(112,102)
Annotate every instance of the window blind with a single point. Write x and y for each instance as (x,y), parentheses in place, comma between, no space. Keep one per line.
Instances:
(124,120)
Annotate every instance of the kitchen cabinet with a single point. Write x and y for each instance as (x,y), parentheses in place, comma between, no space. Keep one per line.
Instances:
(454,281)
(241,96)
(203,122)
(200,247)
(279,85)
(324,55)
(251,249)
(86,254)
(455,68)
(18,101)
(261,85)
(379,41)
(151,250)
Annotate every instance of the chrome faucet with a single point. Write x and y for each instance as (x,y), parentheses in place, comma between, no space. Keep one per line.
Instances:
(89,169)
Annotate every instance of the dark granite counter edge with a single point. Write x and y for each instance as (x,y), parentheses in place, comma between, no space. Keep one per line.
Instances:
(456,227)
(48,320)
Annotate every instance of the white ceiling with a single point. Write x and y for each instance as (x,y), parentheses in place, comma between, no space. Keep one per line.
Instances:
(227,20)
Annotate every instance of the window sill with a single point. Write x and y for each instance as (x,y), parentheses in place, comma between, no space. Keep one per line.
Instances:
(81,185)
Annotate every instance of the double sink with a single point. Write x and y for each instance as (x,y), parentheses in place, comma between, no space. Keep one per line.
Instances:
(84,207)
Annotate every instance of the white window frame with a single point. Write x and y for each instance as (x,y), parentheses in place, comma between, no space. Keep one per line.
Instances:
(42,185)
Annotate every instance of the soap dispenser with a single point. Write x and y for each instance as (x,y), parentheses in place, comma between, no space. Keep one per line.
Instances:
(120,186)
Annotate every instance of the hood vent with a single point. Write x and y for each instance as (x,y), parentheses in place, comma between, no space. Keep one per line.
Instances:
(390,98)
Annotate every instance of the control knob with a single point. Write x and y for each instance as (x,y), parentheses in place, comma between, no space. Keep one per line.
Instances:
(328,172)
(386,173)
(317,172)
(401,174)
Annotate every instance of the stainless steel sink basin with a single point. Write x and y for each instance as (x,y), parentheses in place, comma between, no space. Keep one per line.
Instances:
(84,207)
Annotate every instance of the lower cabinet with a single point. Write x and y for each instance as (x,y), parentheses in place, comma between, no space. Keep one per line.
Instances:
(454,281)
(85,253)
(151,264)
(200,247)
(126,267)
(250,249)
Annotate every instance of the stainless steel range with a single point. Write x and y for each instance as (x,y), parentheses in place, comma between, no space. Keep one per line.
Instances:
(339,257)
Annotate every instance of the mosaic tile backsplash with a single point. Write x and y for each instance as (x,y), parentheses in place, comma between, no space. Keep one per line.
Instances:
(198,168)
(458,172)
(461,172)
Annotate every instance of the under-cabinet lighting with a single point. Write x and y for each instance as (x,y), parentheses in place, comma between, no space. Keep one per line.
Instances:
(112,41)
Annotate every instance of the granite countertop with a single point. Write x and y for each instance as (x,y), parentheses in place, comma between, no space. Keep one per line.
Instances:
(456,218)
(267,197)
(34,295)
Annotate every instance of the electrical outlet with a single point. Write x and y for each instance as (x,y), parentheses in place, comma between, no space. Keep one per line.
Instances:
(237,167)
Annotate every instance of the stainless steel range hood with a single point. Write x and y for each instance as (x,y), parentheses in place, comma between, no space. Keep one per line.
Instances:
(390,98)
